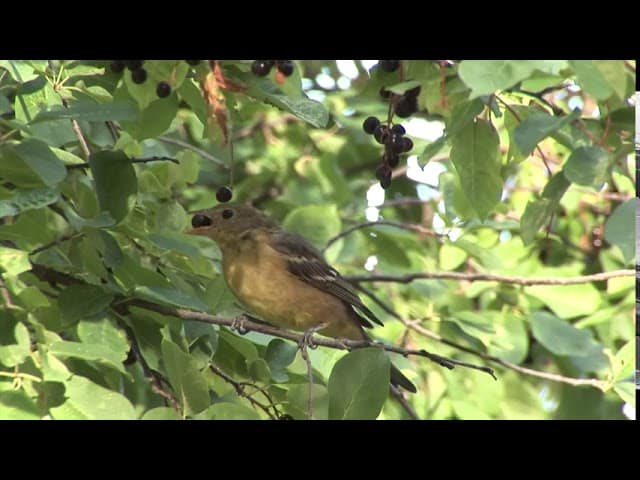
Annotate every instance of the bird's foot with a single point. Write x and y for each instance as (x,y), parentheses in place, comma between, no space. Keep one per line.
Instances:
(307,337)
(237,325)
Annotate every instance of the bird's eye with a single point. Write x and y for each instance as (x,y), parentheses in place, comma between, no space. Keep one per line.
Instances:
(200,220)
(227,213)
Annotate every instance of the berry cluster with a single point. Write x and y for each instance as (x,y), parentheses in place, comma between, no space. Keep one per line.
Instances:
(139,74)
(404,105)
(395,143)
(262,68)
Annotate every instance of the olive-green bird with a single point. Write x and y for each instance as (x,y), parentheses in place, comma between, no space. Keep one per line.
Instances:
(283,279)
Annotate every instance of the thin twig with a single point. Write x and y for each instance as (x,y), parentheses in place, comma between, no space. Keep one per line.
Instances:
(305,355)
(133,160)
(404,226)
(78,131)
(413,325)
(156,379)
(193,148)
(239,388)
(517,117)
(6,296)
(488,277)
(397,394)
(55,242)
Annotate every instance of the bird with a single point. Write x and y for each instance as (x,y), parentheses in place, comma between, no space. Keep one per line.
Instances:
(283,279)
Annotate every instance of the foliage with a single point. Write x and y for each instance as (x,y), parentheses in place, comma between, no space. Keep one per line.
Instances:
(532,179)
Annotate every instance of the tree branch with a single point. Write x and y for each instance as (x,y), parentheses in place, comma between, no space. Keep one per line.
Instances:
(413,325)
(404,226)
(133,160)
(193,148)
(488,277)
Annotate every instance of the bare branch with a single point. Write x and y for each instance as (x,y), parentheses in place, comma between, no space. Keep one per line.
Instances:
(404,226)
(488,277)
(193,148)
(415,326)
(406,406)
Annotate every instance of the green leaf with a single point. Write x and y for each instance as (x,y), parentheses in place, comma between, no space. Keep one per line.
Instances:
(115,182)
(475,324)
(41,160)
(601,78)
(91,352)
(279,356)
(555,297)
(587,166)
(359,384)
(82,301)
(298,401)
(623,363)
(17,405)
(103,332)
(20,200)
(228,411)
(487,76)
(463,114)
(161,413)
(536,127)
(511,341)
(170,295)
(618,229)
(627,392)
(400,88)
(13,261)
(317,223)
(474,153)
(89,401)
(559,336)
(538,213)
(90,112)
(189,384)
(450,257)
(432,149)
(308,110)
(15,354)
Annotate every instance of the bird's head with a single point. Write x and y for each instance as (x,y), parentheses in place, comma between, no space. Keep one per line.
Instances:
(227,223)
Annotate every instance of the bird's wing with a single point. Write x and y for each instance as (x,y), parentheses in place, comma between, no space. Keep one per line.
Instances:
(305,262)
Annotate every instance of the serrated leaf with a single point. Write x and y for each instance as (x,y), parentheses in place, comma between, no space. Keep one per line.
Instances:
(559,336)
(536,127)
(618,229)
(89,401)
(82,301)
(189,384)
(474,153)
(587,166)
(487,76)
(91,352)
(89,112)
(115,182)
(359,384)
(21,200)
(317,223)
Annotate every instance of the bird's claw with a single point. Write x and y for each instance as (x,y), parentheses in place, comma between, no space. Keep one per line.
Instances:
(307,337)
(237,325)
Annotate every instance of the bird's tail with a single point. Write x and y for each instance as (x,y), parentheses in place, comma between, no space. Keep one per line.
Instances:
(399,380)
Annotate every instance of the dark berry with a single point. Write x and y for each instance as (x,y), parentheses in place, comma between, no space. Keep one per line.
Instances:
(407,144)
(224,194)
(133,64)
(395,143)
(117,66)
(414,92)
(384,93)
(406,107)
(200,220)
(285,67)
(139,75)
(163,89)
(381,133)
(261,68)
(370,124)
(389,65)
(392,159)
(193,62)
(398,129)
(383,171)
